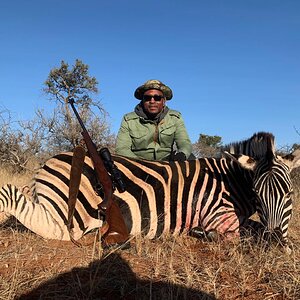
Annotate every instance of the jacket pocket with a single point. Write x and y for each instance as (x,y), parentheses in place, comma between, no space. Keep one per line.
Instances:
(167,136)
(139,140)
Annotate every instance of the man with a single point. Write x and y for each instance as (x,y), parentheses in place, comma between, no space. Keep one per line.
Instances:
(152,130)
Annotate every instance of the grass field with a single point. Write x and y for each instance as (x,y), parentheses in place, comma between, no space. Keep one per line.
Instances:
(178,267)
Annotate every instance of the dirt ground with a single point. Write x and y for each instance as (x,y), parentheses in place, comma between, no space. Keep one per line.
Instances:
(168,268)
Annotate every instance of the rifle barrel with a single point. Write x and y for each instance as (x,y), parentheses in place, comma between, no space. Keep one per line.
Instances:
(71,101)
(99,167)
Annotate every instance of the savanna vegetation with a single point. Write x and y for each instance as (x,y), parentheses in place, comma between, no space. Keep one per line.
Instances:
(178,267)
(171,267)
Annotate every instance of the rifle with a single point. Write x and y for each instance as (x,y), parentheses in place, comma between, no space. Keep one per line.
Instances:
(101,166)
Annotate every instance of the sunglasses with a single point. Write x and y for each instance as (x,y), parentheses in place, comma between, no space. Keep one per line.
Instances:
(156,98)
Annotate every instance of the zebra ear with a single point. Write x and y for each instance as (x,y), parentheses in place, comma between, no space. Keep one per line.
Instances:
(292,159)
(245,161)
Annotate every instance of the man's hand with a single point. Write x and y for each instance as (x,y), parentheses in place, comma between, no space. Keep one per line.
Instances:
(179,156)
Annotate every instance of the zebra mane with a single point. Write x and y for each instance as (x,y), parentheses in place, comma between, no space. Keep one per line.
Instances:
(260,145)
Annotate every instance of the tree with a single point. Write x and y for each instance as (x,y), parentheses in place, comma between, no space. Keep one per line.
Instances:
(286,149)
(16,149)
(51,132)
(63,130)
(207,145)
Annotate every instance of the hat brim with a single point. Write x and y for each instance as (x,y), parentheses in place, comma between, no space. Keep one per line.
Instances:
(139,92)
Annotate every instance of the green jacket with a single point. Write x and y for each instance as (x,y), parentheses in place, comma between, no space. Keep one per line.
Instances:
(142,138)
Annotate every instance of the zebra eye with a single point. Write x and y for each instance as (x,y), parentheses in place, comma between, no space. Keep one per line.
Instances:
(255,190)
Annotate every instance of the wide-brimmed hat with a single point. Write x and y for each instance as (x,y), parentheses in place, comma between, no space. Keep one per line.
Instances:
(153,84)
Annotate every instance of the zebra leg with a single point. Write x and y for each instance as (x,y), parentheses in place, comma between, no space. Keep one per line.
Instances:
(224,226)
(199,233)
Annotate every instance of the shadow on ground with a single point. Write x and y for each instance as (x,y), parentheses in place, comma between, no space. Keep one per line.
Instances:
(110,278)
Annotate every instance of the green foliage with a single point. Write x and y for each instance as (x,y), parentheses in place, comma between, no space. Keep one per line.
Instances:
(74,82)
(63,130)
(64,83)
(56,130)
(210,140)
(207,145)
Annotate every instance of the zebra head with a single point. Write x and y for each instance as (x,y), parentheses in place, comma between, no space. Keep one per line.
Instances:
(272,187)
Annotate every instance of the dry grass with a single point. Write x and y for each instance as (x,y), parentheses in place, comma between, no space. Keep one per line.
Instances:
(168,268)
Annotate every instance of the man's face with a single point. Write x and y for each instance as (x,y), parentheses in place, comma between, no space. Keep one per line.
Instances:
(153,102)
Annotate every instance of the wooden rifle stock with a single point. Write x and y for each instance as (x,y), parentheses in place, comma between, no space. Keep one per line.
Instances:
(99,167)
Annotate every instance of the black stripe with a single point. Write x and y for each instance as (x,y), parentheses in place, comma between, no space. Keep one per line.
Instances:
(187,188)
(138,193)
(208,188)
(23,206)
(173,196)
(89,173)
(56,206)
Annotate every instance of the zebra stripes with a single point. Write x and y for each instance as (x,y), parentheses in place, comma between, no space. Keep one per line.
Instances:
(176,197)
(274,189)
(44,208)
(214,194)
(271,181)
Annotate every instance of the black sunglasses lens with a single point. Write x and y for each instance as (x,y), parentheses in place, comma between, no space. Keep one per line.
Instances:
(155,97)
(147,98)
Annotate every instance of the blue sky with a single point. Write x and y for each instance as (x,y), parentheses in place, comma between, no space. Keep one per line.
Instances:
(233,65)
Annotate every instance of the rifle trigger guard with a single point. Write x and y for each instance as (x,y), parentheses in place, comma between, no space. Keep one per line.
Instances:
(98,189)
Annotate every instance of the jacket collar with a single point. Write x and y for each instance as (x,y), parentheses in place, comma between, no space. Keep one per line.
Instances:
(140,112)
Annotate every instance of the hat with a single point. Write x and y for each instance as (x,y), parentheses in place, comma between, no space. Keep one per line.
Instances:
(153,84)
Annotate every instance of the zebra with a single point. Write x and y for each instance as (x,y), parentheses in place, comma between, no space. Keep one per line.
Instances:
(213,194)
(271,180)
